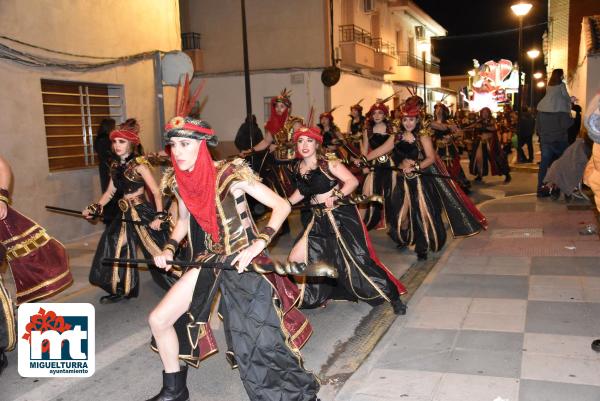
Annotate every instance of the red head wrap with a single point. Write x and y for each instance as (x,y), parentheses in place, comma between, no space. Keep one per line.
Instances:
(276,122)
(197,188)
(379,106)
(311,132)
(412,107)
(129,130)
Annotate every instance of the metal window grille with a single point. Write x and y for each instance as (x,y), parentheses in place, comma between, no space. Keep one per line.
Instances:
(72,114)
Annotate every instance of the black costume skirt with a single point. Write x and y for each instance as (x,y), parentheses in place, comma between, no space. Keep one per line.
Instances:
(380,182)
(270,367)
(417,216)
(420,201)
(120,240)
(450,156)
(493,160)
(338,238)
(8,336)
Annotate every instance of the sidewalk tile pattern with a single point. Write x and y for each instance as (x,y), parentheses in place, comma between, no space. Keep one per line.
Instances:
(505,319)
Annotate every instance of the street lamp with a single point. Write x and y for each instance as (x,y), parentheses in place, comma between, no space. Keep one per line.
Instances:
(541,84)
(520,9)
(533,54)
(424,48)
(538,75)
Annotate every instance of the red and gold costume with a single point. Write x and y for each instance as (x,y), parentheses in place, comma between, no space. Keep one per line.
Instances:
(38,262)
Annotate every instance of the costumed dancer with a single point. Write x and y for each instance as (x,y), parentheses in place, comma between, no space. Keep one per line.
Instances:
(330,131)
(279,130)
(507,127)
(357,120)
(446,145)
(38,262)
(129,175)
(486,156)
(353,139)
(422,193)
(381,179)
(336,234)
(263,328)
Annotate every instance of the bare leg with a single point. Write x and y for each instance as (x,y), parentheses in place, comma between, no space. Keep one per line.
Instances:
(479,160)
(174,304)
(299,251)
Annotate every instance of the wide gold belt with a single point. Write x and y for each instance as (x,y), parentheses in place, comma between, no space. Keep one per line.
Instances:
(124,204)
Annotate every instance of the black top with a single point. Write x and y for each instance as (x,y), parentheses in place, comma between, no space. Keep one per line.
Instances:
(376,139)
(405,150)
(197,237)
(329,135)
(314,182)
(440,134)
(125,178)
(357,127)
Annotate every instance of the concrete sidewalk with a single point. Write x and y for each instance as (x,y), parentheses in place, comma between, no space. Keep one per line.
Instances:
(506,315)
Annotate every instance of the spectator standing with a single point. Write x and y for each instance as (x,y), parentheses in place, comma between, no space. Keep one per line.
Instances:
(552,123)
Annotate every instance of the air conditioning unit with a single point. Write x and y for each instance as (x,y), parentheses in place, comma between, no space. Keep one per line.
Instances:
(420,32)
(368,6)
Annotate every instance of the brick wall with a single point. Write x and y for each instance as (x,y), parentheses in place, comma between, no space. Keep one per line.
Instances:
(577,10)
(558,17)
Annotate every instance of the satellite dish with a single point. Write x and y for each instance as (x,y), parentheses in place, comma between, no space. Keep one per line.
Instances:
(174,65)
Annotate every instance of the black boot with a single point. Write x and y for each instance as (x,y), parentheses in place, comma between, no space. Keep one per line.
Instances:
(399,307)
(111,299)
(174,388)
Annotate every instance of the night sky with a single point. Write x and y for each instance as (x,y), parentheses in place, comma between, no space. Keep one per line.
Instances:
(466,17)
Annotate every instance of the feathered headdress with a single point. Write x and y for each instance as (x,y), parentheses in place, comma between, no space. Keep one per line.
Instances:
(357,106)
(283,97)
(184,126)
(328,114)
(197,187)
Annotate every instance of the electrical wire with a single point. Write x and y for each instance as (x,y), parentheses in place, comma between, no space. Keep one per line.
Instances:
(33,60)
(484,34)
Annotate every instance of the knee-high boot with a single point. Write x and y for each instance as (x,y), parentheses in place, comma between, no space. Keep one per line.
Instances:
(174,387)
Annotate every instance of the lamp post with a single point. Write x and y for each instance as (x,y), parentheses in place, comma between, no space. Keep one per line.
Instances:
(520,9)
(533,54)
(424,47)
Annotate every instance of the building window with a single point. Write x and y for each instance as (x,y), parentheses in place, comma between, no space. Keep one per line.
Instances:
(72,114)
(368,6)
(267,106)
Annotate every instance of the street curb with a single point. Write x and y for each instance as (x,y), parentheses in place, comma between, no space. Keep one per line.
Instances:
(346,361)
(348,357)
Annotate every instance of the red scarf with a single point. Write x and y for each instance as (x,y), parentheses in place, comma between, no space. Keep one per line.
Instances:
(276,122)
(197,189)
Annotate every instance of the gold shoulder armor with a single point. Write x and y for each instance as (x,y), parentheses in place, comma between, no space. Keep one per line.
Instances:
(141,160)
(242,171)
(168,184)
(331,157)
(425,131)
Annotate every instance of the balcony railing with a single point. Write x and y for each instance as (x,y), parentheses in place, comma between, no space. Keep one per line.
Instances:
(353,33)
(407,59)
(190,41)
(381,46)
